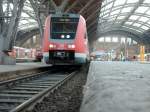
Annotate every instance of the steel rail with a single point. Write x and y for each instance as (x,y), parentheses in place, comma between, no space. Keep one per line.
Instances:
(31,102)
(4,83)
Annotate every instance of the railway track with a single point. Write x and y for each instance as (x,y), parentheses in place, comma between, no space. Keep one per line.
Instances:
(16,95)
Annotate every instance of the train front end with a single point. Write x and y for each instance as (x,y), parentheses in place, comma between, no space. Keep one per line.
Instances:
(63,39)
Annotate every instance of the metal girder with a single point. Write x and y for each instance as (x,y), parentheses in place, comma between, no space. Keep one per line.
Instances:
(25,35)
(58,9)
(117,25)
(109,10)
(137,14)
(93,14)
(85,7)
(122,28)
(63,5)
(72,6)
(93,29)
(54,4)
(92,24)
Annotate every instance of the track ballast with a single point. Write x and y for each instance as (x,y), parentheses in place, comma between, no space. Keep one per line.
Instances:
(16,94)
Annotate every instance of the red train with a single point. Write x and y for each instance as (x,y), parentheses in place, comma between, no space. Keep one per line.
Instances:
(65,39)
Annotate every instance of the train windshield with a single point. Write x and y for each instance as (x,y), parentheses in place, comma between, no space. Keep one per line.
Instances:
(63,30)
(64,27)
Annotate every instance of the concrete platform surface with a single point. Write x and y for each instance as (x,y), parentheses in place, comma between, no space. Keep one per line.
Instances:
(117,87)
(20,66)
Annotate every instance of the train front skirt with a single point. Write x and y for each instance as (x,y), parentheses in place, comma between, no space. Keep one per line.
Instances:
(64,58)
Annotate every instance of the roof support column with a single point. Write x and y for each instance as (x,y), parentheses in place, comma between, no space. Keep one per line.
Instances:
(13,25)
(8,33)
(1,16)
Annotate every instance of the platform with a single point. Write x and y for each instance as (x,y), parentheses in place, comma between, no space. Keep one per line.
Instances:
(117,87)
(20,66)
(8,72)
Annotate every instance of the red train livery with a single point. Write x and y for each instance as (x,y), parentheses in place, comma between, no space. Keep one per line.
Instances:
(65,39)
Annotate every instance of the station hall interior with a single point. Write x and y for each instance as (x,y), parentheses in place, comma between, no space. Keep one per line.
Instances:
(116,29)
(109,40)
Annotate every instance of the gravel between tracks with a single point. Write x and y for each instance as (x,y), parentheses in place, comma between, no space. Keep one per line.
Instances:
(67,98)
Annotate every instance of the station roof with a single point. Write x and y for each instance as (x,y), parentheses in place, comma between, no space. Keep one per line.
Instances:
(28,19)
(127,17)
(132,16)
(83,7)
(88,9)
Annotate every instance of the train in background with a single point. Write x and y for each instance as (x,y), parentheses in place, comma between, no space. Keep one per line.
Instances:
(65,40)
(26,53)
(20,52)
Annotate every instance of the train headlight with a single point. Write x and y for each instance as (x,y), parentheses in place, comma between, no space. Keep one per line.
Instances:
(62,36)
(68,36)
(71,46)
(52,46)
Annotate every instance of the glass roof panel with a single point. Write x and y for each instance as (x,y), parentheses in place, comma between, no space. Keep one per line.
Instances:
(127,9)
(145,27)
(109,0)
(137,24)
(144,19)
(109,6)
(128,23)
(148,12)
(141,31)
(115,12)
(146,1)
(141,9)
(132,1)
(119,2)
(134,17)
(148,22)
(121,17)
(106,15)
